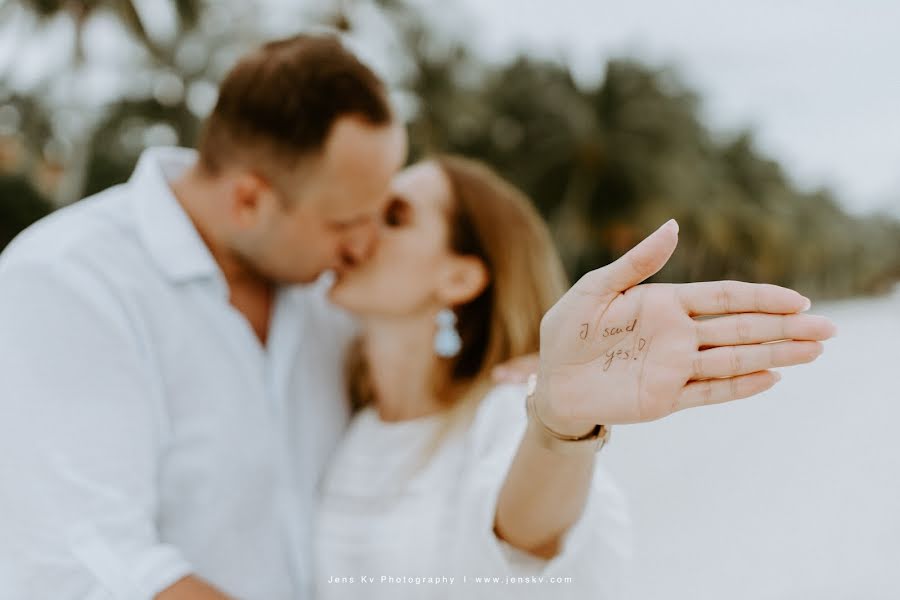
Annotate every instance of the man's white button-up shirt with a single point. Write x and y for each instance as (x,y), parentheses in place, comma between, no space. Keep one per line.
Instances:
(145,433)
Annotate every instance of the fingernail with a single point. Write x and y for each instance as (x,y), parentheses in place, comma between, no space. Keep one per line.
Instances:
(777,376)
(672,222)
(499,372)
(806,304)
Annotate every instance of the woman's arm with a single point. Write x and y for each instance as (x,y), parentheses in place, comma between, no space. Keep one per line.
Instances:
(543,495)
(613,351)
(523,511)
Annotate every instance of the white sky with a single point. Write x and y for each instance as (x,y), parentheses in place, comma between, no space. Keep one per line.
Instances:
(818,79)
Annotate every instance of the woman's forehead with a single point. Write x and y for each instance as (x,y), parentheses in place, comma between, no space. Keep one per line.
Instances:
(423,184)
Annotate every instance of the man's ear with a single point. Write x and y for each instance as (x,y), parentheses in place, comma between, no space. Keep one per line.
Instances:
(464,279)
(252,199)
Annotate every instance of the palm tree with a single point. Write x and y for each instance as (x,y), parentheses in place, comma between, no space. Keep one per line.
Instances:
(125,11)
(79,12)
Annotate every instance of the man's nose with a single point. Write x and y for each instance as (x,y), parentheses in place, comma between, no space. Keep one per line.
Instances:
(362,243)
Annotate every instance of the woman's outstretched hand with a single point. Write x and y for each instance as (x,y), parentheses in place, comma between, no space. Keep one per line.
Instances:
(613,351)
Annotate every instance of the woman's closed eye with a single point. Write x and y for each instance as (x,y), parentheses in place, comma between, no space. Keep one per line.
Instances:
(397,213)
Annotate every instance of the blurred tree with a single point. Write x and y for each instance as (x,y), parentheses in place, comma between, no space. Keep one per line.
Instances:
(69,146)
(125,11)
(20,206)
(605,163)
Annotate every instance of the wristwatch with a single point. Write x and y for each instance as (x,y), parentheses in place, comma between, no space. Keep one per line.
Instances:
(593,441)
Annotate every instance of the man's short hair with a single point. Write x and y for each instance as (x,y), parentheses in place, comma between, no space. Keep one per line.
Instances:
(280,102)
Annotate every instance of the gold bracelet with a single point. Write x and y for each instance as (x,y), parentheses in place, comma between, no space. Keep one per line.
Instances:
(593,441)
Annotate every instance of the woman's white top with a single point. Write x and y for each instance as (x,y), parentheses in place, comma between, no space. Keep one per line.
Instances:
(392,526)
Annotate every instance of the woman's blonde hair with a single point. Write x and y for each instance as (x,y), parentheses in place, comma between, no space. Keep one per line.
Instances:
(491,219)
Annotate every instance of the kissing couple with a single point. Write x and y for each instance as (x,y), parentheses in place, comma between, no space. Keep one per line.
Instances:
(269,366)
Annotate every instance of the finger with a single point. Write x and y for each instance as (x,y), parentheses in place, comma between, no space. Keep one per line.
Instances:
(716,391)
(636,265)
(728,297)
(729,361)
(754,328)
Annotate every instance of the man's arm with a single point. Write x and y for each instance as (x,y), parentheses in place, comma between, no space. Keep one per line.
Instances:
(79,441)
(191,588)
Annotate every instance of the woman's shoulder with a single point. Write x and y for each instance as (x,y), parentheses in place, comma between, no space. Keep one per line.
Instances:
(503,401)
(499,418)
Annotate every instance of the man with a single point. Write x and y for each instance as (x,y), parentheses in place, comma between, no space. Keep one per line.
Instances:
(158,430)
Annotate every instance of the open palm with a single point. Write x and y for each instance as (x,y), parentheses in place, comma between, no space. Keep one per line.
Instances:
(613,351)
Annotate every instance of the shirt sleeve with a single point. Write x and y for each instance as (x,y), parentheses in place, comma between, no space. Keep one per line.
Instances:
(79,441)
(595,551)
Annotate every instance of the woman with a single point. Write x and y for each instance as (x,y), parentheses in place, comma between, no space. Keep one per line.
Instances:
(441,478)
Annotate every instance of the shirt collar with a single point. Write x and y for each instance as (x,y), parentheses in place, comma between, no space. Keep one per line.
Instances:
(164,227)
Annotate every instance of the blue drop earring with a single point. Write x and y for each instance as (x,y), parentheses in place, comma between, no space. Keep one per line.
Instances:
(447,342)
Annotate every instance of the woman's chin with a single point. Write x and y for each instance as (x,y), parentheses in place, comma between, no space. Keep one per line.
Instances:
(345,297)
(336,294)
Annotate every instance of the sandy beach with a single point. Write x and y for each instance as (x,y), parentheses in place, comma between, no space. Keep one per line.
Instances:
(794,494)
